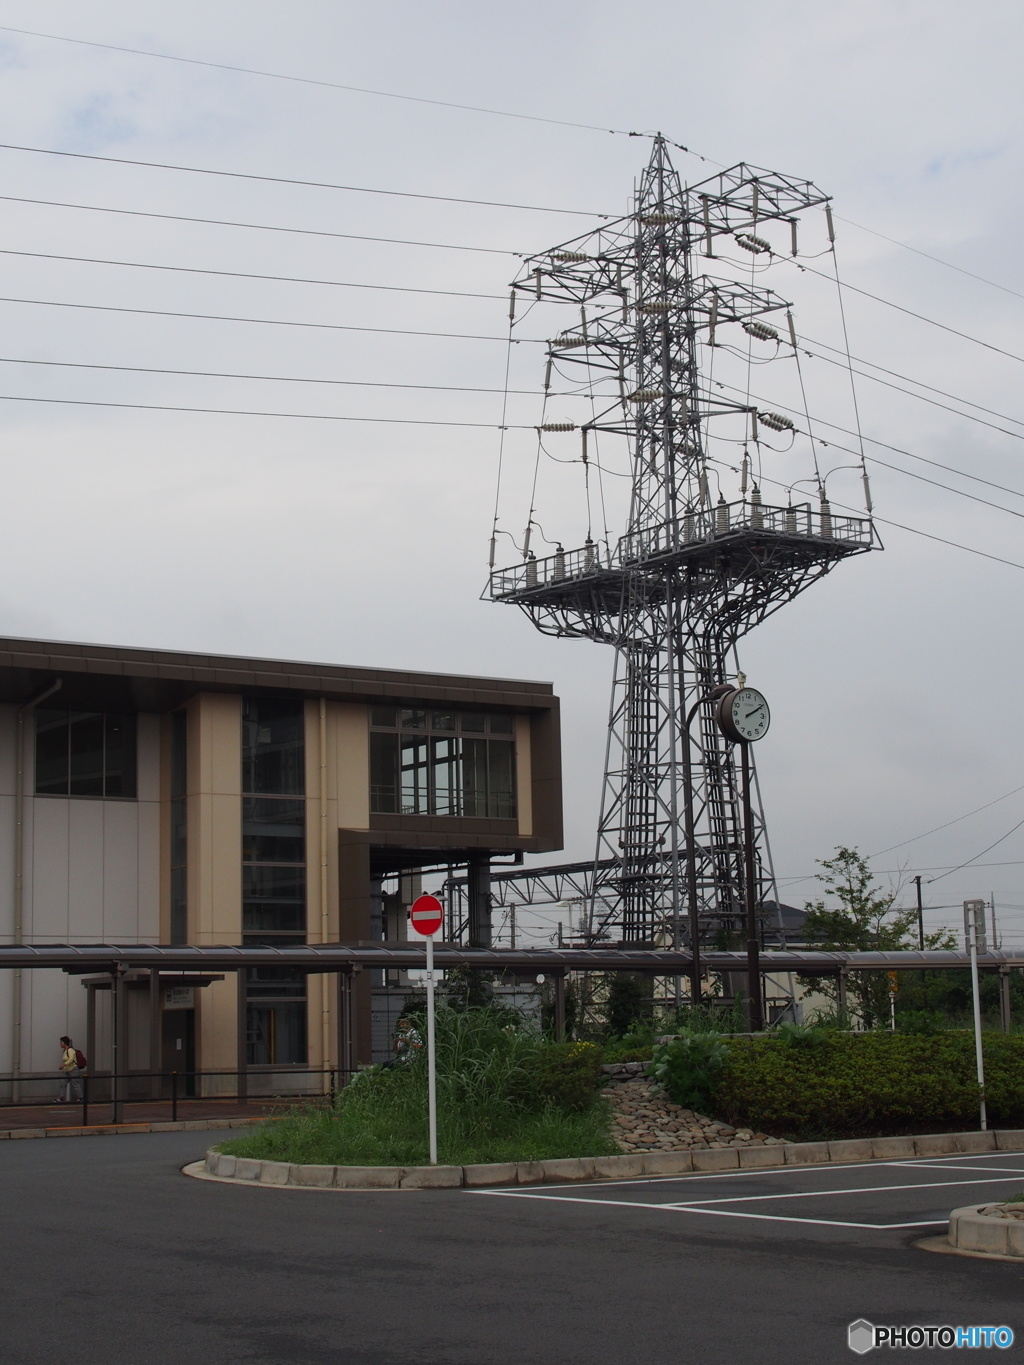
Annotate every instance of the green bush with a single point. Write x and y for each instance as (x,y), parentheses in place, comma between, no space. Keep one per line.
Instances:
(561,1074)
(689,1067)
(870,1083)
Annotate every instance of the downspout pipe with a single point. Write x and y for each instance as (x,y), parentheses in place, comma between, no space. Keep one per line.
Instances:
(19,871)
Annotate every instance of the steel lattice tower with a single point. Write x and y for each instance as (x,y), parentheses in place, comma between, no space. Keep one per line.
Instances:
(688,577)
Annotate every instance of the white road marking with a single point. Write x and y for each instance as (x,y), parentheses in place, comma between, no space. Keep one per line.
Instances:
(711,1213)
(827,1194)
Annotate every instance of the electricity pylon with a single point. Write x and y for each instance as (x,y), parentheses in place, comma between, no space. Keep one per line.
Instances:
(689,576)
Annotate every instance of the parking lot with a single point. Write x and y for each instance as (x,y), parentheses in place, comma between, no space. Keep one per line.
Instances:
(830,1202)
(111,1256)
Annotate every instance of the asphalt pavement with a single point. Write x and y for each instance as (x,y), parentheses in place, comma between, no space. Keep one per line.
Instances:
(110,1256)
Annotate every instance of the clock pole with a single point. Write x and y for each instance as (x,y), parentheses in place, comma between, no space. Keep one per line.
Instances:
(743,717)
(755,1015)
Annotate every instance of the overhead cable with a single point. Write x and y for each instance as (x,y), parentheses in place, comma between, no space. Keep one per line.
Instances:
(258,227)
(248,275)
(965,336)
(263,378)
(329,85)
(309,184)
(977,810)
(929,257)
(266,322)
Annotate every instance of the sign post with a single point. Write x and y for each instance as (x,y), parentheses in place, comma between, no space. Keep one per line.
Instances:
(426,917)
(974,930)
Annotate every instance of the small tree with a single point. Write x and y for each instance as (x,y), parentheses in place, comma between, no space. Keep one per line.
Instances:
(625,1004)
(865,920)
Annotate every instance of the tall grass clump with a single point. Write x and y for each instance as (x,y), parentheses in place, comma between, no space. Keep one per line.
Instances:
(503,1094)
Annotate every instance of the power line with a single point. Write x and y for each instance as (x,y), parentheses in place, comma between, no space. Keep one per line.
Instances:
(330,85)
(248,412)
(309,184)
(268,322)
(258,227)
(922,398)
(977,810)
(835,445)
(1000,840)
(263,378)
(928,257)
(965,336)
(248,275)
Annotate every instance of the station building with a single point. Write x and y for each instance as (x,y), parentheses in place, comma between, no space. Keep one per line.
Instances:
(156,797)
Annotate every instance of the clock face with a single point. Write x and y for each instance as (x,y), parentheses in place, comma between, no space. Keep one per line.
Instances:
(746,714)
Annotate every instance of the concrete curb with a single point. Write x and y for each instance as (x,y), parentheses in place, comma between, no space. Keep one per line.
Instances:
(114,1129)
(249,1171)
(972,1229)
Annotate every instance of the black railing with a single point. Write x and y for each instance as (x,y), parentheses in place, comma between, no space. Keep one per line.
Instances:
(114,1090)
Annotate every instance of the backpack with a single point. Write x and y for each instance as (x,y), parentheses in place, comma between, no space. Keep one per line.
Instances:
(80,1060)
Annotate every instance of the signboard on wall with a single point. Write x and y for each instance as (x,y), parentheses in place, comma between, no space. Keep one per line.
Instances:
(179,998)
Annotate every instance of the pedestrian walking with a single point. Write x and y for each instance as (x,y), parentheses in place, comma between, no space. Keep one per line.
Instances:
(69,1066)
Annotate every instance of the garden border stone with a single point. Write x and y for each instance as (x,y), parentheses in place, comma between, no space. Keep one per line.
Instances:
(973,1230)
(630,1166)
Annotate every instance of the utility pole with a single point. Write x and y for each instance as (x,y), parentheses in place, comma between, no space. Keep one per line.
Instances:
(920,915)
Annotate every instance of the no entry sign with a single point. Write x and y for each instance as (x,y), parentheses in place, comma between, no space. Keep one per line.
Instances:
(426,915)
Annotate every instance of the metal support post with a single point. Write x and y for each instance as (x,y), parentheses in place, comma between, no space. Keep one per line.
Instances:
(920,915)
(119,1035)
(974,923)
(242,1054)
(755,1014)
(841,994)
(1005,1017)
(155,1034)
(478,886)
(560,1007)
(346,1033)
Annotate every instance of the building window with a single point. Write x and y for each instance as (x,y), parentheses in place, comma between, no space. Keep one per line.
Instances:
(274,874)
(85,753)
(459,763)
(179,827)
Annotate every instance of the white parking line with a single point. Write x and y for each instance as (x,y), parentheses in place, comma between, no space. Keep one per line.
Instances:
(711,1213)
(827,1194)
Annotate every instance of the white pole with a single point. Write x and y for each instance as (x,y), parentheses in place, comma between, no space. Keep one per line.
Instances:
(431,1073)
(973,926)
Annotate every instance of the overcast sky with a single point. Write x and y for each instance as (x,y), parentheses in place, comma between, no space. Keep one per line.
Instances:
(894,684)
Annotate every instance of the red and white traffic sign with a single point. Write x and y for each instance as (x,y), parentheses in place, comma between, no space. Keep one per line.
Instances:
(426,915)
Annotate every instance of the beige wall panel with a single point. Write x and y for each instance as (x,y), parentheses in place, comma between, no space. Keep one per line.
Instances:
(46,871)
(524,776)
(6,868)
(215,867)
(120,871)
(217,1033)
(352,747)
(148,835)
(85,867)
(215,820)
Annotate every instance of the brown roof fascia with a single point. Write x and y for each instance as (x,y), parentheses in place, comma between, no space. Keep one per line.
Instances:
(227,673)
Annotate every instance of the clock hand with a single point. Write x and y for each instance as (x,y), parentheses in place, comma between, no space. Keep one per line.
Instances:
(754,712)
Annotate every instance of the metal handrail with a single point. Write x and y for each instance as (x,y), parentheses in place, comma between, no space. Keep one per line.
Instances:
(704,525)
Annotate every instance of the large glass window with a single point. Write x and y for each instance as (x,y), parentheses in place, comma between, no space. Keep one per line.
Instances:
(442,763)
(274,874)
(179,827)
(85,753)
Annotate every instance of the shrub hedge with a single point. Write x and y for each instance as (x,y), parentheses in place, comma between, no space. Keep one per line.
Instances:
(561,1074)
(870,1083)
